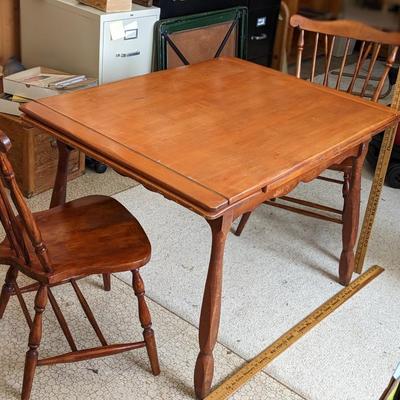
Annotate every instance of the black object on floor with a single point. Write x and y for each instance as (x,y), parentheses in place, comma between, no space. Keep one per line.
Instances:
(95,165)
(263,20)
(393,173)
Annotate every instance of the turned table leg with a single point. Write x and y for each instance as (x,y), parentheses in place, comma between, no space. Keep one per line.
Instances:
(59,195)
(351,215)
(211,308)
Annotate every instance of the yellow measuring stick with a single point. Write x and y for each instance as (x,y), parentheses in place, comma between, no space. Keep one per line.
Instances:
(232,384)
(377,185)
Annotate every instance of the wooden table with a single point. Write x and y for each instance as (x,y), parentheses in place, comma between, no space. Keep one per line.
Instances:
(219,138)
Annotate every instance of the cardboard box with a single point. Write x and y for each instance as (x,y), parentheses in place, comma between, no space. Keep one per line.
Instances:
(7,106)
(109,5)
(34,156)
(1,79)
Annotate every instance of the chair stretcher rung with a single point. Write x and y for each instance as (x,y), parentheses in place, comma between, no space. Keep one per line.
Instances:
(34,287)
(88,354)
(311,205)
(305,212)
(27,289)
(324,178)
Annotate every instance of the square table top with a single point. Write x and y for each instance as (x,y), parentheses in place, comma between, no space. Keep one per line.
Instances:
(216,132)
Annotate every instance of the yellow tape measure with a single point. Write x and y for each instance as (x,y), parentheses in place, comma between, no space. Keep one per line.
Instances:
(377,185)
(232,384)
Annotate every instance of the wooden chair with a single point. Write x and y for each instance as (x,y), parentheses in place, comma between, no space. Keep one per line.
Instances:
(372,43)
(56,247)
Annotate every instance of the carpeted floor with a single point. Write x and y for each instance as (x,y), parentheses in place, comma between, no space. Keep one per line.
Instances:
(121,377)
(283,267)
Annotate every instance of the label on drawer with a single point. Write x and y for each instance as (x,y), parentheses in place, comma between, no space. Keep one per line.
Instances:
(117,30)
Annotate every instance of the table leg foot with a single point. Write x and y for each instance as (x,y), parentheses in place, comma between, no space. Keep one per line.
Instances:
(211,308)
(107,282)
(203,375)
(243,221)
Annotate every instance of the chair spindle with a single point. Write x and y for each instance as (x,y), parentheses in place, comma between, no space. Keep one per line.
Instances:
(360,62)
(389,64)
(300,49)
(315,54)
(377,49)
(342,66)
(329,58)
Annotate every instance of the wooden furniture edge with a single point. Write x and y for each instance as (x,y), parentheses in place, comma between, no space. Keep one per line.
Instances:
(217,200)
(360,31)
(319,87)
(125,171)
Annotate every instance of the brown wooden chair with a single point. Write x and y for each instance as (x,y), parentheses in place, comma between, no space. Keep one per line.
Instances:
(92,235)
(373,42)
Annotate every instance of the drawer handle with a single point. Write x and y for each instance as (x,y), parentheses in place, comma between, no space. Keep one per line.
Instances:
(259,37)
(53,143)
(127,55)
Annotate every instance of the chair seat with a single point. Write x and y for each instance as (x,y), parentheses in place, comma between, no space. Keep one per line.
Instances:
(91,235)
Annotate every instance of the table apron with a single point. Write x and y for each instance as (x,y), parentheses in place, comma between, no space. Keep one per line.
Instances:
(282,187)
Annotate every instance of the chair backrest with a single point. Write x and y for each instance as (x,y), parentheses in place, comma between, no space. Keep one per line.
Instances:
(21,230)
(200,37)
(373,42)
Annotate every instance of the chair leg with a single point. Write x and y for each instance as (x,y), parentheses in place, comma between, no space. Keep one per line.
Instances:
(346,185)
(351,215)
(242,223)
(107,282)
(7,289)
(34,343)
(145,320)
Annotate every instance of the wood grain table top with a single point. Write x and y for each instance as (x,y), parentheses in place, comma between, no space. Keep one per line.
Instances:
(213,133)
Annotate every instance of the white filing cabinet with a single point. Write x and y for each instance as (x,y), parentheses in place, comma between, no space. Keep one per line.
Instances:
(72,37)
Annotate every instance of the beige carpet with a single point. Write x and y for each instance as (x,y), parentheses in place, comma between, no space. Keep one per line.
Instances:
(282,268)
(122,377)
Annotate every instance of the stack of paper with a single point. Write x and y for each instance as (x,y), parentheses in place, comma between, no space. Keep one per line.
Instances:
(36,83)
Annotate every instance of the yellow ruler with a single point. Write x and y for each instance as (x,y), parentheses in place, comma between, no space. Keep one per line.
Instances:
(232,384)
(377,185)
